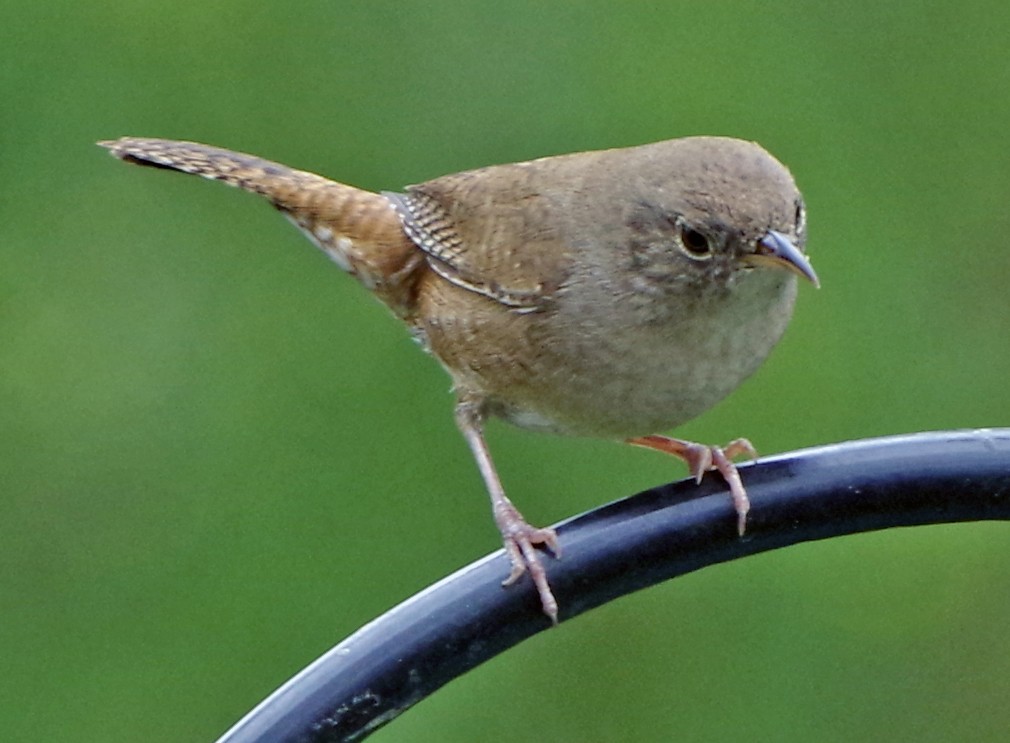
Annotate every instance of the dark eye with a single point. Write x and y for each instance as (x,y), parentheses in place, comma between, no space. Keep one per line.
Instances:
(694,242)
(801,216)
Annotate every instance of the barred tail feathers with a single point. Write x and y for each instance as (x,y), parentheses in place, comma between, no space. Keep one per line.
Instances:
(360,230)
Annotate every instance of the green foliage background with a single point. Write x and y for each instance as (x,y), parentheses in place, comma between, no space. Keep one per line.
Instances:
(219,456)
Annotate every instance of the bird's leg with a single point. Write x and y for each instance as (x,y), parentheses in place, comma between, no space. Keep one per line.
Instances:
(701,458)
(520,539)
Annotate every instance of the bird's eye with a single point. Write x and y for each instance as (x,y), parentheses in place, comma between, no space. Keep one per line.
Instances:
(801,217)
(694,241)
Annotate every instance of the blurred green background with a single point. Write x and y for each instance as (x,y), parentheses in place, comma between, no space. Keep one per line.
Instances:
(220,456)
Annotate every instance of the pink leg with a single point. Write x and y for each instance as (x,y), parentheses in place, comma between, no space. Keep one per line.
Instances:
(520,539)
(701,458)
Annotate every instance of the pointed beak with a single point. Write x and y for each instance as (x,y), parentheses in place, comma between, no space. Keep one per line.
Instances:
(777,250)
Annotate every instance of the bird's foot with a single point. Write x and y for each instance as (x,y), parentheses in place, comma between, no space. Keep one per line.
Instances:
(521,541)
(702,458)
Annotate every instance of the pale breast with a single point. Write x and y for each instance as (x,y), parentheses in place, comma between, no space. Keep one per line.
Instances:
(621,381)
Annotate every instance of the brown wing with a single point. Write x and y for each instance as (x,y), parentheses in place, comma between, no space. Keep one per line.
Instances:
(494,231)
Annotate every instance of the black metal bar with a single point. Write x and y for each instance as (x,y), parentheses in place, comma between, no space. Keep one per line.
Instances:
(467,618)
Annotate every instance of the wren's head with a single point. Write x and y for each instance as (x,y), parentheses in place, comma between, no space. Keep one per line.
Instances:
(707,211)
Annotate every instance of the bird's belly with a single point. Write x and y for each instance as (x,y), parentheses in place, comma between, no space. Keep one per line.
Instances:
(623,390)
(575,373)
(647,378)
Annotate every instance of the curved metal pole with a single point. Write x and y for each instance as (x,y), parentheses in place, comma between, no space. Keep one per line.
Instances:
(463,620)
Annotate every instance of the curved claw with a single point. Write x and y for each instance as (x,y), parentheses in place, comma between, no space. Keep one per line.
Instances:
(702,458)
(521,541)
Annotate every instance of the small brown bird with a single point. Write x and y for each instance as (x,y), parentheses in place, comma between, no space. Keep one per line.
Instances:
(609,294)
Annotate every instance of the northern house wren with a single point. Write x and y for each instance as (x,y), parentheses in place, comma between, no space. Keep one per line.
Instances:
(610,293)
